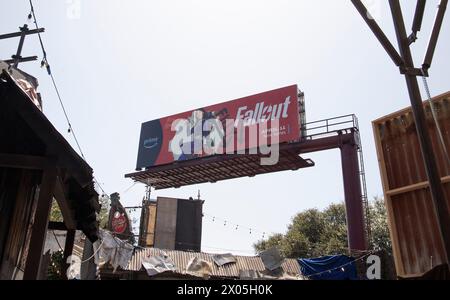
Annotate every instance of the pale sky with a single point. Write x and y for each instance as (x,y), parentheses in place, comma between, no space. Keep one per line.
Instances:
(121,63)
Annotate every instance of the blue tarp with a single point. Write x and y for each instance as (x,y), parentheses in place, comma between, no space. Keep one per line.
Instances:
(337,267)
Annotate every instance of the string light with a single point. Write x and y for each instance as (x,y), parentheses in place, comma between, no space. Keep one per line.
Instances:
(250,230)
(44,63)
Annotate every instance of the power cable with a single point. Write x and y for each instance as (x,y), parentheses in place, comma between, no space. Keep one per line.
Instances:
(47,65)
(59,245)
(436,121)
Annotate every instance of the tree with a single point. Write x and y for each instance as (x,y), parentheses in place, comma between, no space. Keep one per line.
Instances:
(55,213)
(315,233)
(380,238)
(102,216)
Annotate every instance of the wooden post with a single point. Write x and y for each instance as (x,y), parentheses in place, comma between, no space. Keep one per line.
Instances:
(68,248)
(40,225)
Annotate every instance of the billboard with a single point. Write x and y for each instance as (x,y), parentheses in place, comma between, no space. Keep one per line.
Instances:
(231,127)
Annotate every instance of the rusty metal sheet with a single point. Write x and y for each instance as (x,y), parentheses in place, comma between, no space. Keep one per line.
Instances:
(181,260)
(413,224)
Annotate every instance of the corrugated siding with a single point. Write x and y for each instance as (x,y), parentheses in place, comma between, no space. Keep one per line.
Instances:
(181,260)
(412,219)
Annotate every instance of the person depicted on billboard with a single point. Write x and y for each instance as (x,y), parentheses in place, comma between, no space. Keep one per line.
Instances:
(192,148)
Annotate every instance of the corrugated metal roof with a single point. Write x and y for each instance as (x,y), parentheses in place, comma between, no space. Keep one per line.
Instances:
(416,240)
(181,260)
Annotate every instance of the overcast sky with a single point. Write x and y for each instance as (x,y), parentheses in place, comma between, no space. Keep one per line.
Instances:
(121,63)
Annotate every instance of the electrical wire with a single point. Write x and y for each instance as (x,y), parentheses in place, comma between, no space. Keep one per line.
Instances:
(55,86)
(59,245)
(93,255)
(436,121)
(39,34)
(130,187)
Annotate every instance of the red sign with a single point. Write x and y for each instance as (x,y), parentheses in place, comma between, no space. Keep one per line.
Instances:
(268,118)
(119,223)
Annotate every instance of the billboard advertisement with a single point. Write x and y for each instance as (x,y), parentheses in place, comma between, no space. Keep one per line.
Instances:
(231,127)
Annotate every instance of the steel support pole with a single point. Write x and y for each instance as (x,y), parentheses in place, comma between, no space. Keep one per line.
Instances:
(357,239)
(437,194)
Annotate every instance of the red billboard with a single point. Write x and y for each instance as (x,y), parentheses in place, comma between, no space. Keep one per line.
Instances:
(231,127)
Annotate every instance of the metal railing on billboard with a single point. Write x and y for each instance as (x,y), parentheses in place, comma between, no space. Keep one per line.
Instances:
(330,126)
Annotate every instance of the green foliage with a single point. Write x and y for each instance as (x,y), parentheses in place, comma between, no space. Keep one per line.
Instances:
(55,212)
(380,230)
(102,216)
(315,233)
(54,269)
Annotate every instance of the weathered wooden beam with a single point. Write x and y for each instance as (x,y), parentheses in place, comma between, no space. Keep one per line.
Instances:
(17,161)
(63,203)
(39,229)
(57,226)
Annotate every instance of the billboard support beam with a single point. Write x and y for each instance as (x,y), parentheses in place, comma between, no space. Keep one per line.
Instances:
(410,73)
(357,239)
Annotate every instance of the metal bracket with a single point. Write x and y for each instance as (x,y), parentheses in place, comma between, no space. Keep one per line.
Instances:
(413,71)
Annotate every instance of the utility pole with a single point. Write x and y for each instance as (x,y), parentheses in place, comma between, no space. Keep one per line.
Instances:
(405,63)
(17,58)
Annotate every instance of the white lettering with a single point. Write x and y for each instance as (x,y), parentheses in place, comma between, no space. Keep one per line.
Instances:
(262,113)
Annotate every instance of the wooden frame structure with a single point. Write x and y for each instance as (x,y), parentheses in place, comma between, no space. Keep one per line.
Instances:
(37,165)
